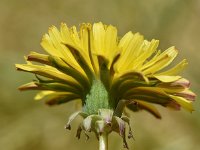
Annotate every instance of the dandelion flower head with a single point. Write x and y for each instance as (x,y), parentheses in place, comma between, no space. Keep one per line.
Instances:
(107,74)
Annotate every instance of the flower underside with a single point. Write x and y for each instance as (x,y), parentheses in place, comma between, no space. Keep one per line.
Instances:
(106,73)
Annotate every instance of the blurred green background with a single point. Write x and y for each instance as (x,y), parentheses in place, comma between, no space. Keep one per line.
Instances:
(26,124)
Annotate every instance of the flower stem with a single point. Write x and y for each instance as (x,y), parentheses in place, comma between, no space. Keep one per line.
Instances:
(103,141)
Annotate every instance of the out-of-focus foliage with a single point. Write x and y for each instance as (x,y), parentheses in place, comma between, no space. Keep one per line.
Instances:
(27,124)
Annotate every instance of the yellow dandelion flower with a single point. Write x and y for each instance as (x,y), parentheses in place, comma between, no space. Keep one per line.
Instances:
(107,74)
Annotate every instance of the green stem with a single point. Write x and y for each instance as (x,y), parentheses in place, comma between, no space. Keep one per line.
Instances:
(103,141)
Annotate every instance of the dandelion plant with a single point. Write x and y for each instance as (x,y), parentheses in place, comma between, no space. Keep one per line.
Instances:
(107,74)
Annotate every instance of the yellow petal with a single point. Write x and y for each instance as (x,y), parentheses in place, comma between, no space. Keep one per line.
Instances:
(84,37)
(148,49)
(161,61)
(123,44)
(56,39)
(48,46)
(165,78)
(176,69)
(148,94)
(75,36)
(110,43)
(80,77)
(47,71)
(80,44)
(187,94)
(65,34)
(183,102)
(131,47)
(53,44)
(51,95)
(181,83)
(37,57)
(99,38)
(43,94)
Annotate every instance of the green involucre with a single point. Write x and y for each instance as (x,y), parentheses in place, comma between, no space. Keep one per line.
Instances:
(97,98)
